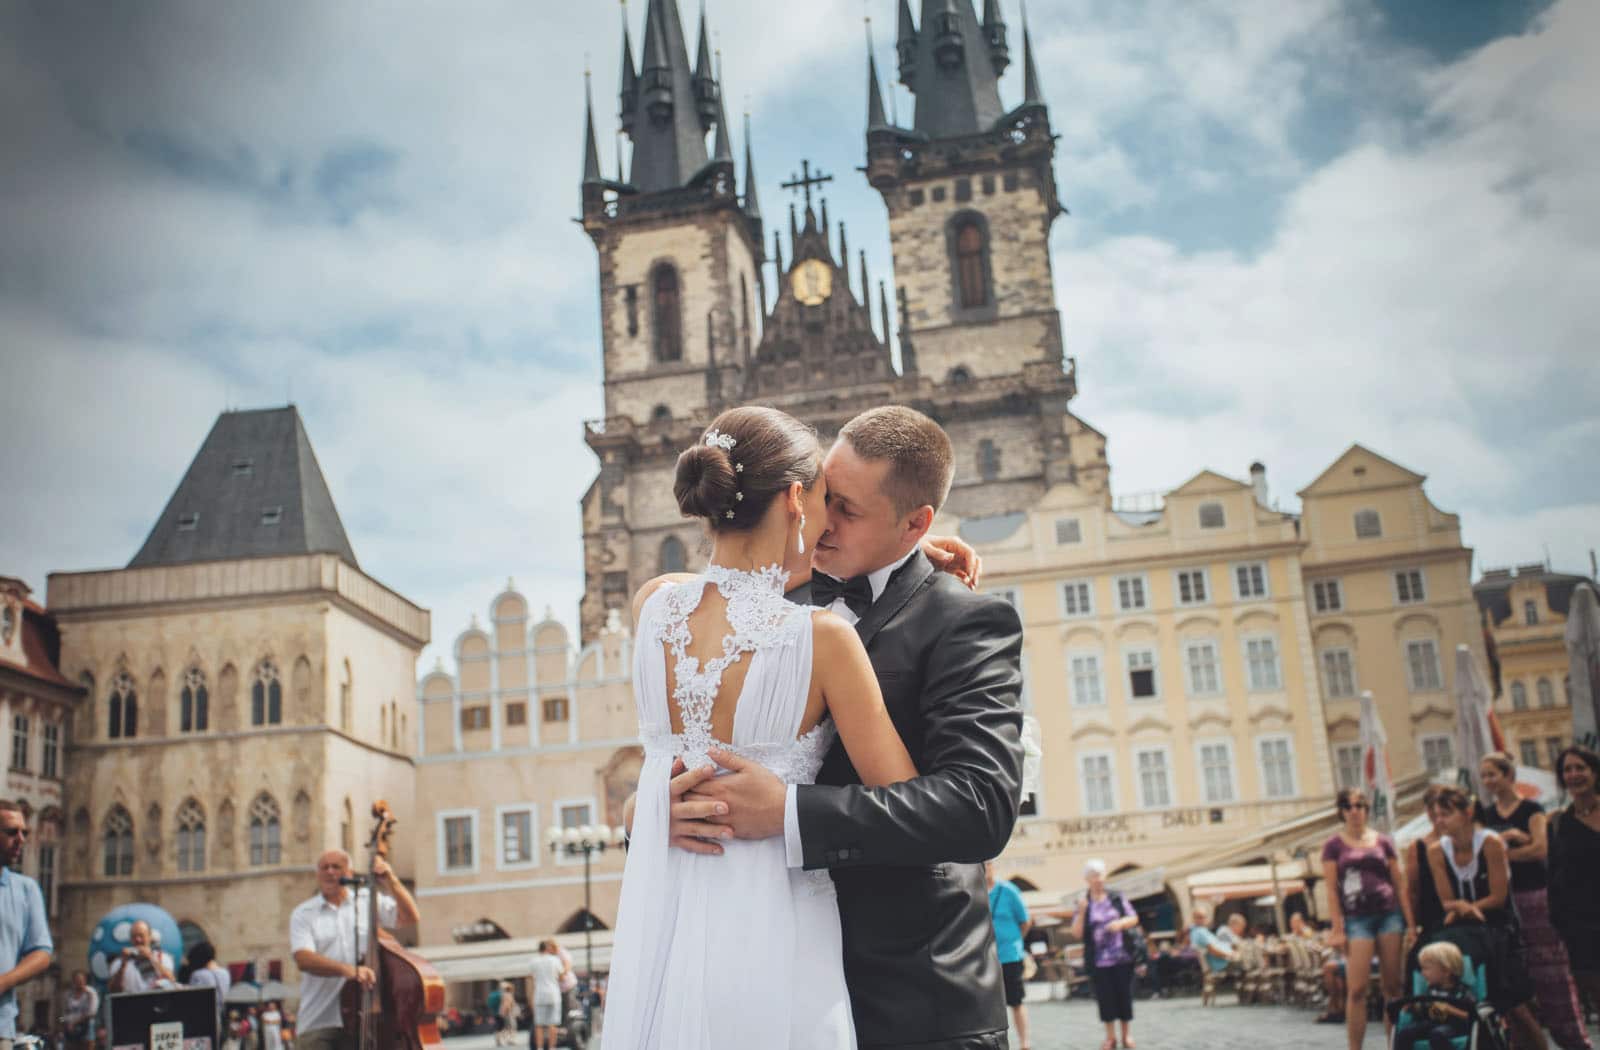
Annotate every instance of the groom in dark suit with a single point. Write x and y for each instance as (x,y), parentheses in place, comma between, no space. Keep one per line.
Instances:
(907,858)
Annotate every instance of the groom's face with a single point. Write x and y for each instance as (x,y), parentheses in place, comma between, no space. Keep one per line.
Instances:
(865,532)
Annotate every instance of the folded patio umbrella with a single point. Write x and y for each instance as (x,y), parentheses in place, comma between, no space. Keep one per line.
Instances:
(1583,656)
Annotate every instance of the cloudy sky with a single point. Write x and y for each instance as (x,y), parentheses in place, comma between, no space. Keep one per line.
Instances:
(1294,226)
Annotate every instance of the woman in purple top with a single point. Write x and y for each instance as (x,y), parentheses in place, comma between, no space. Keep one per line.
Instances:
(1100,924)
(1370,908)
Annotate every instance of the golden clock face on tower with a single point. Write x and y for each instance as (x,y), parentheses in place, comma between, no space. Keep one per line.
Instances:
(812,282)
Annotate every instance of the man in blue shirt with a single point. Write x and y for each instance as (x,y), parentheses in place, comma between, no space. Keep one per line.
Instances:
(1011,924)
(1213,953)
(25,945)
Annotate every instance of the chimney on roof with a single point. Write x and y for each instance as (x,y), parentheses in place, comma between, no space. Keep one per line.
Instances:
(1258,481)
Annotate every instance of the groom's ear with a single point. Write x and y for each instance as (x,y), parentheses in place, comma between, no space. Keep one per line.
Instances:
(919,521)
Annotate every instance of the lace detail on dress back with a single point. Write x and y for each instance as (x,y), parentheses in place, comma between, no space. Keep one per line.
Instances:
(760,618)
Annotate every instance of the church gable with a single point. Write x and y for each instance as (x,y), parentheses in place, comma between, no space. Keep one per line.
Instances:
(1208,483)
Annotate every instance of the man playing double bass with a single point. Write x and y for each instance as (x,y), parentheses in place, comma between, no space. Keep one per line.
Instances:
(328,939)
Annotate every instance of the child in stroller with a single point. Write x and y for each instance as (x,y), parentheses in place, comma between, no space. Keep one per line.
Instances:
(1446,1011)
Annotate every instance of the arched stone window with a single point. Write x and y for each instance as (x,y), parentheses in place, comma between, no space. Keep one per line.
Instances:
(666,313)
(959,376)
(266,696)
(346,714)
(1519,696)
(194,714)
(117,843)
(266,835)
(1546,693)
(660,416)
(988,460)
(191,836)
(123,707)
(674,558)
(1368,525)
(969,260)
(1211,516)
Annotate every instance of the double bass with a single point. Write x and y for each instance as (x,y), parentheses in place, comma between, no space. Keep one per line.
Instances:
(398,1012)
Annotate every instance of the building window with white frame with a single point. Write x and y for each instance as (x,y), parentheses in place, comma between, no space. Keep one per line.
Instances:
(1099,791)
(1193,587)
(1519,696)
(1530,753)
(1132,593)
(517,842)
(1068,530)
(1347,765)
(50,759)
(1008,595)
(1077,598)
(1211,516)
(1368,525)
(1216,772)
(1200,660)
(1545,692)
(1250,580)
(1438,753)
(1408,587)
(1155,791)
(1143,683)
(1277,766)
(459,832)
(1338,674)
(1261,664)
(555,709)
(573,815)
(19,742)
(1087,690)
(1327,596)
(1530,613)
(1422,666)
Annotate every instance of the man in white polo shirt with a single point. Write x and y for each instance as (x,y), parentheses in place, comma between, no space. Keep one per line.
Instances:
(328,940)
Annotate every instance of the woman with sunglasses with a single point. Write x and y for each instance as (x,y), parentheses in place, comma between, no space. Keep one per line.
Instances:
(1369,905)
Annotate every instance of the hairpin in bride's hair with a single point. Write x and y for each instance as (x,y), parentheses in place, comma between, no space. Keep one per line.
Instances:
(717,439)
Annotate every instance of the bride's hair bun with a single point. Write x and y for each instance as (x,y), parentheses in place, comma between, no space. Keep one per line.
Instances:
(706,485)
(749,455)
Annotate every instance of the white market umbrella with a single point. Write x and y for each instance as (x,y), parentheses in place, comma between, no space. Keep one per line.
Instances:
(1583,656)
(1375,778)
(1474,738)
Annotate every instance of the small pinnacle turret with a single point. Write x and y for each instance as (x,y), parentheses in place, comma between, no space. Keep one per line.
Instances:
(591,148)
(752,204)
(994,30)
(665,113)
(876,118)
(1031,95)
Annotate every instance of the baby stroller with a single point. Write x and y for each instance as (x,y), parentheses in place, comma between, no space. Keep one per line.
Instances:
(1487,1030)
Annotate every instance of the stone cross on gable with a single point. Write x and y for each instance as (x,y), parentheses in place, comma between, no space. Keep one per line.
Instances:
(806,180)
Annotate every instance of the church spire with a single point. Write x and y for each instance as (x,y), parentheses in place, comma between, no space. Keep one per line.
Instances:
(752,205)
(875,115)
(669,144)
(723,154)
(949,64)
(628,93)
(591,149)
(906,45)
(706,89)
(1031,95)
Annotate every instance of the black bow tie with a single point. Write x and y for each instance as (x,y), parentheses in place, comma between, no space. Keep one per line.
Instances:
(856,592)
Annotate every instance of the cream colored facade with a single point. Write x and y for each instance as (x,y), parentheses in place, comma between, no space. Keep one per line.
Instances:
(530,734)
(1176,655)
(1389,591)
(1524,612)
(219,818)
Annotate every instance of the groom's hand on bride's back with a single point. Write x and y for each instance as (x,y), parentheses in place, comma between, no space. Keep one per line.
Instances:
(689,825)
(751,795)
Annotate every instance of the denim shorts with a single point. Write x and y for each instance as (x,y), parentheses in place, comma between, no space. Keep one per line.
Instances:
(1371,927)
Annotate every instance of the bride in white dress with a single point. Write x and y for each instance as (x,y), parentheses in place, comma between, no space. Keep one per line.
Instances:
(738,950)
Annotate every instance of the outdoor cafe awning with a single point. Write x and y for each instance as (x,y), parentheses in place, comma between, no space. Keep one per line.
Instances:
(507,958)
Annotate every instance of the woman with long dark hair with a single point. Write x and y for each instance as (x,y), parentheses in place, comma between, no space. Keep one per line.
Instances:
(1520,823)
(1369,906)
(1473,876)
(1575,867)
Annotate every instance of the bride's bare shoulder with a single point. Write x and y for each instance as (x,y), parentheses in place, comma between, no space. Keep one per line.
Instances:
(652,586)
(831,634)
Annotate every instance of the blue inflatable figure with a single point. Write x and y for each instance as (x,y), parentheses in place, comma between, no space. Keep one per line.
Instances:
(111,936)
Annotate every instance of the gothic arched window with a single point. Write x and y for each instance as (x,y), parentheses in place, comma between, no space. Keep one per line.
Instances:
(265,847)
(667,314)
(191,837)
(123,707)
(266,696)
(117,842)
(194,715)
(971,263)
(673,556)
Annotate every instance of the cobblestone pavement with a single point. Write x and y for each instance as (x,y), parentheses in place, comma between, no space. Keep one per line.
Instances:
(1183,1024)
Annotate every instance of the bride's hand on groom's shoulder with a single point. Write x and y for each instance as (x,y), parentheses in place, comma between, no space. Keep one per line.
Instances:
(690,826)
(955,556)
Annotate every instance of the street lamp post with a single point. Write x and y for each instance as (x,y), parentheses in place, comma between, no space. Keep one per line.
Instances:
(585,841)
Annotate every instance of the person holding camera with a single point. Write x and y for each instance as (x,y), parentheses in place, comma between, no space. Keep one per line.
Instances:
(142,965)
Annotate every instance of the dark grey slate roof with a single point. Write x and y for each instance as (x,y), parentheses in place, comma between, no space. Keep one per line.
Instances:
(1493,591)
(963,100)
(667,153)
(254,490)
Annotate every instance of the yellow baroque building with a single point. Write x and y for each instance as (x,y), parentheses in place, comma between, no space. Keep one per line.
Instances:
(1193,659)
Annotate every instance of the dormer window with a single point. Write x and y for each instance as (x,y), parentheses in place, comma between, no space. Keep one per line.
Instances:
(1211,516)
(244,468)
(1368,525)
(189,522)
(272,516)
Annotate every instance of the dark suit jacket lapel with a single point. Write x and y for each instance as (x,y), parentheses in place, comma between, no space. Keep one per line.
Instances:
(902,586)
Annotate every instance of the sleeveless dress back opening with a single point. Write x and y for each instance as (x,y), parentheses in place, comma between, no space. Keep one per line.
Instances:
(736,950)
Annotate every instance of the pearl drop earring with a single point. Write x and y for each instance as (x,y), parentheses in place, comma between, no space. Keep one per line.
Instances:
(800,535)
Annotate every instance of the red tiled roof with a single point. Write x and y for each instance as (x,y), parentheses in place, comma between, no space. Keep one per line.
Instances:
(38,629)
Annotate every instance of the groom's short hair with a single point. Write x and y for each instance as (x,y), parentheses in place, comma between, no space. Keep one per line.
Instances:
(917,449)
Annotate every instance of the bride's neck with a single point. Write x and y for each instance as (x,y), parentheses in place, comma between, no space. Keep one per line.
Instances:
(747,551)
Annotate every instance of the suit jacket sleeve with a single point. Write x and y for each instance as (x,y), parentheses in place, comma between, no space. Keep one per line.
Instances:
(962,807)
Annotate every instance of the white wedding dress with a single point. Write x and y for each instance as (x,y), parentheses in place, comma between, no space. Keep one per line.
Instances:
(738,950)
